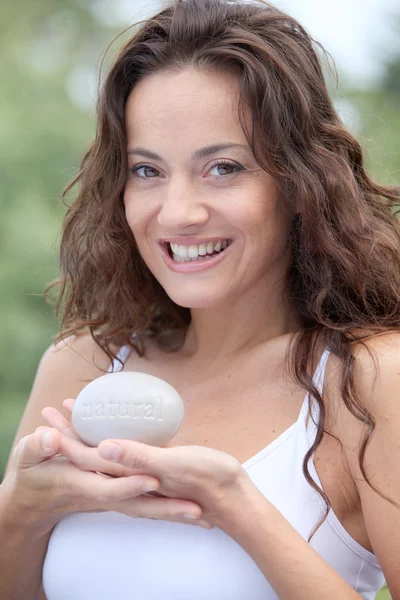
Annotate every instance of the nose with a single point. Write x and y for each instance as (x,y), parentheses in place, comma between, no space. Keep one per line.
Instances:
(182,207)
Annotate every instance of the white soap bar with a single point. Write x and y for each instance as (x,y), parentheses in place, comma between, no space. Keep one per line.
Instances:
(128,405)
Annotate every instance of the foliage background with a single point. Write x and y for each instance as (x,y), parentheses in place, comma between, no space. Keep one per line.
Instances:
(50,51)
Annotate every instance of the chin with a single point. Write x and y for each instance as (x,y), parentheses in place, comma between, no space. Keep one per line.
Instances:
(191,300)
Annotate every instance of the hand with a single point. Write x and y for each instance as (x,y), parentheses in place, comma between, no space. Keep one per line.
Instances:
(42,486)
(210,478)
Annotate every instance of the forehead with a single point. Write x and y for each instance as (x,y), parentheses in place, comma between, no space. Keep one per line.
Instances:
(187,104)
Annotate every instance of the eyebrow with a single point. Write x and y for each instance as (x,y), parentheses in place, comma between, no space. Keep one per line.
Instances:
(196,155)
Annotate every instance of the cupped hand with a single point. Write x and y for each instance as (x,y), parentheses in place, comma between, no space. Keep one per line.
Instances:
(42,486)
(85,457)
(210,478)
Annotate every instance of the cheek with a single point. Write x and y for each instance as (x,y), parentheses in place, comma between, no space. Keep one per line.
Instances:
(268,219)
(137,213)
(139,216)
(259,213)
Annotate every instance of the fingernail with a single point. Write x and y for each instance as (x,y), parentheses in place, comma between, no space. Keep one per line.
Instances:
(204,524)
(189,516)
(148,489)
(46,441)
(110,451)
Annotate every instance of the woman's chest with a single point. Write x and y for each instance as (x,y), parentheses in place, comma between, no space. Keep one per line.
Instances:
(238,419)
(244,411)
(245,420)
(238,410)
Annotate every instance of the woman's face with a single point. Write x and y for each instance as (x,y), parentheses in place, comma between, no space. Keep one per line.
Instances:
(181,203)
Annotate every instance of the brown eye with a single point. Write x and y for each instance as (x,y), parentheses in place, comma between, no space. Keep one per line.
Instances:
(231,167)
(147,168)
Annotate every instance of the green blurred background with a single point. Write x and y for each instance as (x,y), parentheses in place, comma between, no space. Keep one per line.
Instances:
(50,58)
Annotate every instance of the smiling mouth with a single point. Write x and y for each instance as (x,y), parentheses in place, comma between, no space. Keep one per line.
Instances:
(195,253)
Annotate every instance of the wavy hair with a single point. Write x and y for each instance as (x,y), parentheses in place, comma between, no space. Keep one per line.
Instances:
(344,278)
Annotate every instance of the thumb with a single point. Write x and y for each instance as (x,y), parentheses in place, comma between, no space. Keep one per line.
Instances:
(36,447)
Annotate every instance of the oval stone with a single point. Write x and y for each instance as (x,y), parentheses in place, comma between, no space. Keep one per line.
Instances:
(131,406)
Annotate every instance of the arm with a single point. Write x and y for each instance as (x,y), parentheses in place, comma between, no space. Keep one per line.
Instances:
(41,595)
(62,373)
(295,569)
(22,551)
(381,395)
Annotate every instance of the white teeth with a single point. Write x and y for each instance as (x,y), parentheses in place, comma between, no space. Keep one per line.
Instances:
(183,251)
(196,252)
(193,251)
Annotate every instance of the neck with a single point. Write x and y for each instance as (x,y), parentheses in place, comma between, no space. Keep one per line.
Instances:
(221,333)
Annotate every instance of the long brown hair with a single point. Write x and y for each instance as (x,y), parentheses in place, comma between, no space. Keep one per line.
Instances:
(345,243)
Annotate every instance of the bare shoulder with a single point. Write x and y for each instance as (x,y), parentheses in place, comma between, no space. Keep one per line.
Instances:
(79,354)
(70,365)
(376,375)
(377,364)
(376,383)
(63,371)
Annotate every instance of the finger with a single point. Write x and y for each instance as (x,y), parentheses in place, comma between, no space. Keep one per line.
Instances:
(134,455)
(58,421)
(52,414)
(87,458)
(99,490)
(170,509)
(36,447)
(69,404)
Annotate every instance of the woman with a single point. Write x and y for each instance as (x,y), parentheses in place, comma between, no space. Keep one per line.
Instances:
(227,239)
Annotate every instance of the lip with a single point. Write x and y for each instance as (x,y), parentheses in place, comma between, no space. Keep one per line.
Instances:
(192,241)
(195,265)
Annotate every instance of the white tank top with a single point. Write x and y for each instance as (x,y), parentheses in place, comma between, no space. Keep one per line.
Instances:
(98,556)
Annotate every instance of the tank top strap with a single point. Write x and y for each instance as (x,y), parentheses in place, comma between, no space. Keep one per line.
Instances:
(122,354)
(309,414)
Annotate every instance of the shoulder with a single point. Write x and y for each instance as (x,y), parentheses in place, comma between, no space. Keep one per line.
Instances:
(79,353)
(376,375)
(377,371)
(64,370)
(66,367)
(376,382)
